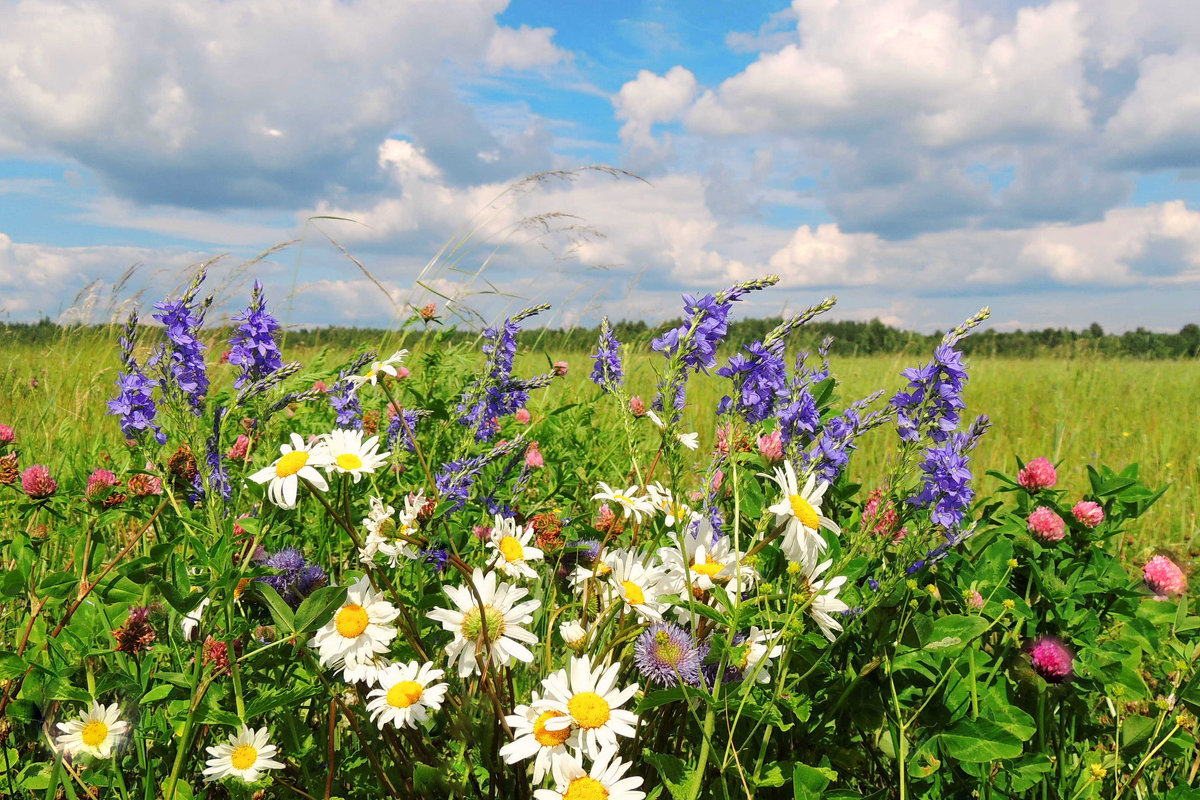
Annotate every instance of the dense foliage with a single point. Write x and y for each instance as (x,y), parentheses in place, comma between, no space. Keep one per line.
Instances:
(431,577)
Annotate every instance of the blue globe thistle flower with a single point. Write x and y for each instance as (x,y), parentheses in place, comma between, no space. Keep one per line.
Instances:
(297,578)
(666,654)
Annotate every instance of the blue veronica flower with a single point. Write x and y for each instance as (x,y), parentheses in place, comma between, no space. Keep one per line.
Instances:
(182,358)
(608,372)
(253,345)
(218,478)
(495,394)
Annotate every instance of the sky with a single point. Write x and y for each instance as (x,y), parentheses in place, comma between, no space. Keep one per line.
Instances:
(916,158)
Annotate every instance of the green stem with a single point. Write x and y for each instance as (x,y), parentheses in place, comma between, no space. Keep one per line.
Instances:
(710,722)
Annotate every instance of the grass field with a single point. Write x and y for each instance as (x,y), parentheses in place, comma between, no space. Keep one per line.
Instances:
(1074,411)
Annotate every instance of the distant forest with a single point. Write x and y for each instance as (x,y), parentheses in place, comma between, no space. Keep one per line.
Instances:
(850,338)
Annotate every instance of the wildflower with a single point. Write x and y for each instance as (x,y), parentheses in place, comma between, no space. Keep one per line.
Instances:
(1047,526)
(495,629)
(522,416)
(360,629)
(247,755)
(665,654)
(933,398)
(348,453)
(770,446)
(689,440)
(761,649)
(184,354)
(533,457)
(560,369)
(606,779)
(495,394)
(627,500)
(1088,514)
(9,469)
(240,448)
(100,484)
(253,345)
(144,485)
(216,655)
(388,535)
(800,511)
(760,380)
(1051,659)
(1098,772)
(946,489)
(7,435)
(297,578)
(638,586)
(190,625)
(297,461)
(665,502)
(698,562)
(588,703)
(38,483)
(136,634)
(1164,577)
(573,634)
(531,738)
(96,731)
(608,373)
(429,312)
(388,366)
(974,600)
(511,544)
(1037,475)
(825,602)
(405,696)
(637,406)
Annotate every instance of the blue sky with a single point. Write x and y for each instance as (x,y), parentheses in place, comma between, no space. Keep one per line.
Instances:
(917,158)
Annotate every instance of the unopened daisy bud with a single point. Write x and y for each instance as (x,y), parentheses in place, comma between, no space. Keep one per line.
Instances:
(573,634)
(38,483)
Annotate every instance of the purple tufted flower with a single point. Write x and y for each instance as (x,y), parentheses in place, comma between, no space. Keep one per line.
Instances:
(183,357)
(665,654)
(253,345)
(608,372)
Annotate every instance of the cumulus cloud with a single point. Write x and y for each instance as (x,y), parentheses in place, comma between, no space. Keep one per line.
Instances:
(648,100)
(1156,125)
(251,102)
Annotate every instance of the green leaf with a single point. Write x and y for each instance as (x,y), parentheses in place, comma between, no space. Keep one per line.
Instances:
(675,774)
(980,741)
(285,620)
(951,632)
(157,694)
(57,584)
(664,696)
(11,666)
(808,783)
(1013,720)
(318,607)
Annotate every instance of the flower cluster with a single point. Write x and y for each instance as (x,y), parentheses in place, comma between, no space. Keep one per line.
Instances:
(253,347)
(183,358)
(608,373)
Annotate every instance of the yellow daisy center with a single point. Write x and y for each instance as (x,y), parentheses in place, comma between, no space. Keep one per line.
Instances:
(292,463)
(585,788)
(710,567)
(589,710)
(633,593)
(512,549)
(803,511)
(601,569)
(472,624)
(94,733)
(351,621)
(243,756)
(349,461)
(404,694)
(549,738)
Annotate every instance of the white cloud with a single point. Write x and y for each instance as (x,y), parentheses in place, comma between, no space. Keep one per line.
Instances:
(650,99)
(1156,126)
(245,102)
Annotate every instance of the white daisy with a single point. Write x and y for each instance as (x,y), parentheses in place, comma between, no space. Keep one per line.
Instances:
(588,704)
(191,623)
(800,510)
(297,460)
(377,368)
(512,547)
(638,586)
(246,755)
(348,453)
(97,731)
(671,507)
(604,781)
(761,649)
(700,563)
(359,630)
(404,696)
(531,738)
(384,530)
(502,615)
(599,567)
(364,669)
(825,603)
(627,500)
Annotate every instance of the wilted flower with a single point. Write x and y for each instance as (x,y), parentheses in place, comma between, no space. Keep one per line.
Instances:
(1164,577)
(136,634)
(100,484)
(1037,475)
(9,469)
(144,485)
(1046,525)
(38,483)
(1088,513)
(1051,659)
